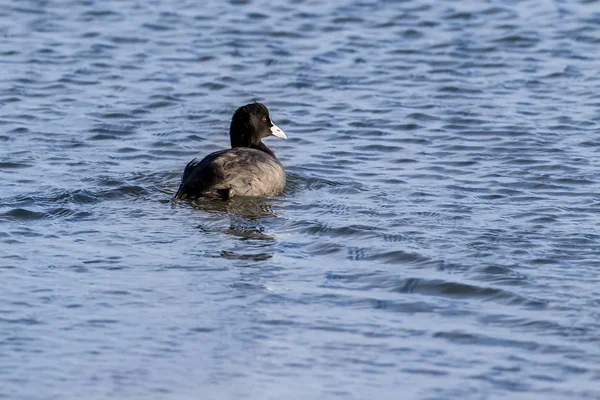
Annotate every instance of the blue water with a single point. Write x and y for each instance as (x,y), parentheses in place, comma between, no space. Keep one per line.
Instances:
(439,236)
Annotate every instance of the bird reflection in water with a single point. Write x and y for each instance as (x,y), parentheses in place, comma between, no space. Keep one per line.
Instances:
(246,217)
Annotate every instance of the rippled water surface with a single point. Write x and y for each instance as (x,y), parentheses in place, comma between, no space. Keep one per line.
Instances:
(439,233)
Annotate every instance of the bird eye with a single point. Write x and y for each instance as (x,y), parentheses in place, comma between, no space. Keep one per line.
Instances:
(264,119)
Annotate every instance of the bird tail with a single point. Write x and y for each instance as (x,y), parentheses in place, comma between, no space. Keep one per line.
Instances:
(180,195)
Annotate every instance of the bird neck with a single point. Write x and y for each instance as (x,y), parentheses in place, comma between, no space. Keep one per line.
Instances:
(261,146)
(251,143)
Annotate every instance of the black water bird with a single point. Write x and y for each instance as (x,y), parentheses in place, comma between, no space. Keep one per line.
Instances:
(249,168)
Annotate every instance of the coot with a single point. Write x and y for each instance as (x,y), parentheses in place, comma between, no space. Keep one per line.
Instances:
(249,168)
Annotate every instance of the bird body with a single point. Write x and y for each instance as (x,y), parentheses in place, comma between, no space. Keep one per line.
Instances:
(249,168)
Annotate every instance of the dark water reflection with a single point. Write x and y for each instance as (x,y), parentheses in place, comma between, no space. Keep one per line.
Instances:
(248,229)
(437,238)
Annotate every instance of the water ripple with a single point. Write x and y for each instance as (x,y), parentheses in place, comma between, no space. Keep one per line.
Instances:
(442,196)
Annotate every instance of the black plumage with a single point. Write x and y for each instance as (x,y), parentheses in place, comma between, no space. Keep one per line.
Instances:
(249,168)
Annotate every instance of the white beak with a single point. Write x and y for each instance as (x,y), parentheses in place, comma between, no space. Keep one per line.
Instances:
(276,131)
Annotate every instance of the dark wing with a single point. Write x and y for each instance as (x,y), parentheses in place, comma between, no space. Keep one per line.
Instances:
(189,168)
(199,176)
